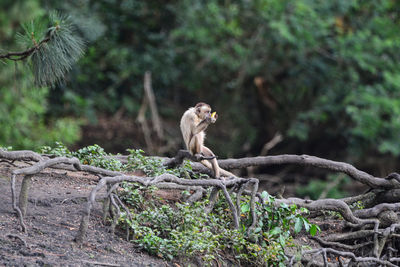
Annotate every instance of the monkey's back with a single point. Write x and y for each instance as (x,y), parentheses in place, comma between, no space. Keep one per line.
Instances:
(189,120)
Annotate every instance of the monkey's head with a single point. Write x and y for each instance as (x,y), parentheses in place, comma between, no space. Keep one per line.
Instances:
(203,111)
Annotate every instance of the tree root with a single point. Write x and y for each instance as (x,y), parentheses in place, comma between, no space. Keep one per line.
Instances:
(216,184)
(28,172)
(344,254)
(388,182)
(372,233)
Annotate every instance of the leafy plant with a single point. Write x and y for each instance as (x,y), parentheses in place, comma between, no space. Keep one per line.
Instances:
(91,155)
(96,156)
(152,166)
(182,230)
(22,116)
(59,150)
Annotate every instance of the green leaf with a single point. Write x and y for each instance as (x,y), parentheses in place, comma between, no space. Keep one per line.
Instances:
(264,194)
(284,205)
(313,229)
(276,231)
(298,225)
(306,224)
(245,208)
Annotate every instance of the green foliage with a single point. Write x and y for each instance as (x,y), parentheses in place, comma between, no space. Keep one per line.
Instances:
(96,156)
(185,231)
(55,48)
(59,150)
(138,161)
(331,69)
(22,113)
(358,205)
(315,187)
(153,166)
(91,155)
(54,59)
(280,220)
(174,233)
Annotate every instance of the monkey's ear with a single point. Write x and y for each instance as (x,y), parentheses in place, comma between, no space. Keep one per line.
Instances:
(198,110)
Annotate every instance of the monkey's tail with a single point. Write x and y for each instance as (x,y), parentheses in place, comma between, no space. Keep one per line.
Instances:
(223,173)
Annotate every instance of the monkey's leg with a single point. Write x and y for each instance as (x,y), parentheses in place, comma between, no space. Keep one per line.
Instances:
(208,153)
(194,145)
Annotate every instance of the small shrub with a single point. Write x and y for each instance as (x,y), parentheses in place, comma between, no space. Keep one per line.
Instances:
(91,155)
(152,166)
(186,231)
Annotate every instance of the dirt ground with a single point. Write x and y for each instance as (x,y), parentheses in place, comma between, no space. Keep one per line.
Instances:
(56,199)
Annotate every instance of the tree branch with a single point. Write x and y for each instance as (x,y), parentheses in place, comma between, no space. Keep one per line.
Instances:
(363,177)
(24,54)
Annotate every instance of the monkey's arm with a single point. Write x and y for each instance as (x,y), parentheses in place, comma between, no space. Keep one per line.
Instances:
(202,126)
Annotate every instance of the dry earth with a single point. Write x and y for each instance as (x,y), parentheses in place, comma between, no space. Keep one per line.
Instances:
(56,199)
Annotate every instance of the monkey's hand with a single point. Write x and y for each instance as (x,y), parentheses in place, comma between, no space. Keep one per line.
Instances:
(201,156)
(214,117)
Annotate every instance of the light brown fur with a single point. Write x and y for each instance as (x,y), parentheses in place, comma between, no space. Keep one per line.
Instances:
(193,124)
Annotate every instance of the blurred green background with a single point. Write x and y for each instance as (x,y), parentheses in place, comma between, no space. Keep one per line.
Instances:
(323,74)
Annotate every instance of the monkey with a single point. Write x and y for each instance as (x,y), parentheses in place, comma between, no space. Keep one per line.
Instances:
(193,124)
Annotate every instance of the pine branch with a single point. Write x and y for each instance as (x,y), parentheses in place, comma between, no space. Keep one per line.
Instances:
(16,56)
(55,54)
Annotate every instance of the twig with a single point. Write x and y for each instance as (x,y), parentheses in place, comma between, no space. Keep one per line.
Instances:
(14,204)
(24,54)
(18,237)
(375,211)
(101,263)
(212,199)
(23,155)
(141,118)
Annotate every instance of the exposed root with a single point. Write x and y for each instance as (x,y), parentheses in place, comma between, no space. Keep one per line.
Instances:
(369,236)
(162,180)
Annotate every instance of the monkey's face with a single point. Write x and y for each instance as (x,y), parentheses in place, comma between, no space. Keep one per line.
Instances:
(203,112)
